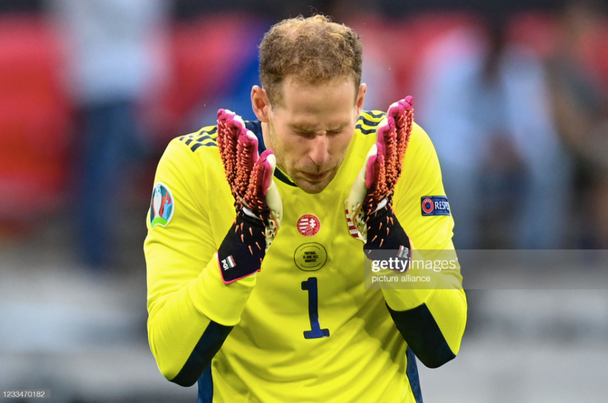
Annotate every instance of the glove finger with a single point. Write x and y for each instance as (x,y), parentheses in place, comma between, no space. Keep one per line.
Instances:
(405,126)
(405,120)
(400,116)
(383,132)
(355,203)
(395,109)
(408,102)
(247,156)
(259,182)
(273,197)
(269,164)
(373,166)
(227,144)
(376,176)
(386,137)
(390,140)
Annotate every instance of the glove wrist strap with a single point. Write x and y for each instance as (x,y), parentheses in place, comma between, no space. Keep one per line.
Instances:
(243,249)
(385,236)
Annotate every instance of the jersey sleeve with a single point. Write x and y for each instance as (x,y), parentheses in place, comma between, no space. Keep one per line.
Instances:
(431,319)
(191,310)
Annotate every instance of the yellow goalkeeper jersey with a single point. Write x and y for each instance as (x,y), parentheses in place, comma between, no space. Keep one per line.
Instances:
(303,329)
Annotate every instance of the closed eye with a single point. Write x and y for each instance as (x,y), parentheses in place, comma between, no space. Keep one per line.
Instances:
(304,134)
(310,134)
(335,131)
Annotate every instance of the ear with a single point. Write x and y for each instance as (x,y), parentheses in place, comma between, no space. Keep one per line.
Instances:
(260,103)
(360,99)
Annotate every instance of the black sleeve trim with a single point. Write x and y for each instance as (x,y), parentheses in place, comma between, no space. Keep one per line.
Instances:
(420,331)
(209,344)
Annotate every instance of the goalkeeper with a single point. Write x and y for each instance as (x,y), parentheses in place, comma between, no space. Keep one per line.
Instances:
(258,232)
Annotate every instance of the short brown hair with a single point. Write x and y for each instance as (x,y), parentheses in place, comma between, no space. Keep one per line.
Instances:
(312,50)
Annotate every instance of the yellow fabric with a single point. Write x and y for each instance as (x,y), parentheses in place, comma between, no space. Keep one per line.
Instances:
(446,299)
(267,358)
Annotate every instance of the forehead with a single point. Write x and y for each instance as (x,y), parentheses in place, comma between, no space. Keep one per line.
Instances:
(333,99)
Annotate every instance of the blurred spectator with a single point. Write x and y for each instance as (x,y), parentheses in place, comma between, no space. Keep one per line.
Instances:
(485,104)
(580,106)
(112,68)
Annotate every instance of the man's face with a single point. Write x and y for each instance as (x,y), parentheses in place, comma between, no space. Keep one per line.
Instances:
(311,129)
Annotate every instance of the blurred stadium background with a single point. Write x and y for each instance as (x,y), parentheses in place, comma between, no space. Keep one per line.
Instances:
(523,84)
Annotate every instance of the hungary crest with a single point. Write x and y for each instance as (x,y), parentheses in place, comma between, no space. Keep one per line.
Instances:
(161,206)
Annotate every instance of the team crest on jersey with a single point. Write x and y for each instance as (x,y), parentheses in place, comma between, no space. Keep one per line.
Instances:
(435,205)
(162,206)
(309,225)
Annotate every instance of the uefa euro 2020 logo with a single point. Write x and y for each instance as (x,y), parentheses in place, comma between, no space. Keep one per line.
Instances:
(161,206)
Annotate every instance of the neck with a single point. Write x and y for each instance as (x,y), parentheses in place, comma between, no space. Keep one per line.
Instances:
(266,135)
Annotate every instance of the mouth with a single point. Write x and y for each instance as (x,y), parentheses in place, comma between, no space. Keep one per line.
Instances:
(313,177)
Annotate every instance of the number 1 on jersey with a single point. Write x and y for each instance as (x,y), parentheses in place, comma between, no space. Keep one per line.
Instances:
(313,310)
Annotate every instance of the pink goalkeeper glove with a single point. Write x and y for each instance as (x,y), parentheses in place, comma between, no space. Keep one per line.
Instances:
(370,202)
(259,208)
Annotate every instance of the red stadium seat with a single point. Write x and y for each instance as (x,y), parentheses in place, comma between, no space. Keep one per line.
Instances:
(34,119)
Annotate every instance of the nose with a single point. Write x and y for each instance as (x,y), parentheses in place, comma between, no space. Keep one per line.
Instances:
(319,151)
